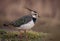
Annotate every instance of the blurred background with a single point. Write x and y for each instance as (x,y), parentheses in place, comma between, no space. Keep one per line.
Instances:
(49,10)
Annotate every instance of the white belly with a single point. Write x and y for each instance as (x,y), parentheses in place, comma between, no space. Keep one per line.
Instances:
(27,26)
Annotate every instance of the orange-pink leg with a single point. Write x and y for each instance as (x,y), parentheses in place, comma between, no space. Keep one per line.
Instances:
(26,35)
(20,35)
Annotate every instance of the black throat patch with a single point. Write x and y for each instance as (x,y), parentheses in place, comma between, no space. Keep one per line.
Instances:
(34,20)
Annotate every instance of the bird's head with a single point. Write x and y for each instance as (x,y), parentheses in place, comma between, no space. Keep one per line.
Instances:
(33,13)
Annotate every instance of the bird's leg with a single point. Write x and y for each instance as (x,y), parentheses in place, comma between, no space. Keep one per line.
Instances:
(26,35)
(20,32)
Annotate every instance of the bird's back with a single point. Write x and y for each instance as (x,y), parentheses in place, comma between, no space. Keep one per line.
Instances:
(23,20)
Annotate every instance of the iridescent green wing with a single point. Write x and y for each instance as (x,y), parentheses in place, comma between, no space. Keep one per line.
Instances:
(22,20)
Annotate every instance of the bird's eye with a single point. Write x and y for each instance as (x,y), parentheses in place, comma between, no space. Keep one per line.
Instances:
(35,14)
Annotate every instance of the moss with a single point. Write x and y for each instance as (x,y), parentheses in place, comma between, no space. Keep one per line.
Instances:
(15,35)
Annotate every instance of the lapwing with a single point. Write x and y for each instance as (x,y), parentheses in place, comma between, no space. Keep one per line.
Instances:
(25,22)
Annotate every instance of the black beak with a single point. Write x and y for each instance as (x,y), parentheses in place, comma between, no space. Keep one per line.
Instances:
(38,15)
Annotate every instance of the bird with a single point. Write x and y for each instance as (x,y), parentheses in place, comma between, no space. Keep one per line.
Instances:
(25,22)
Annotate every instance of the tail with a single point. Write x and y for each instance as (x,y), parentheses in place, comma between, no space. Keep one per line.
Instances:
(5,24)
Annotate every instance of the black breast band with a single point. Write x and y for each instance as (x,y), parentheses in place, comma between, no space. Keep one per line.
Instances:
(34,20)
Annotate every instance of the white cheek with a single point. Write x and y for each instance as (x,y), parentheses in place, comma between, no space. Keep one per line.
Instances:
(32,12)
(34,16)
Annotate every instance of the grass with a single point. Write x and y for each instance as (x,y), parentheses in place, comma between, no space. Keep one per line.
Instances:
(15,36)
